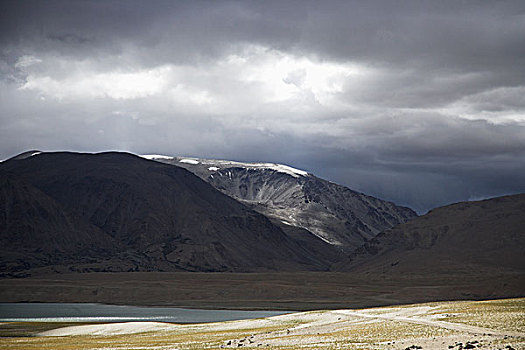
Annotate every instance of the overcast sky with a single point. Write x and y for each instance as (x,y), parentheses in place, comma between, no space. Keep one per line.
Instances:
(421,102)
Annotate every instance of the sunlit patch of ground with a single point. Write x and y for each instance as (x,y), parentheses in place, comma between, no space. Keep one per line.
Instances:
(495,324)
(504,315)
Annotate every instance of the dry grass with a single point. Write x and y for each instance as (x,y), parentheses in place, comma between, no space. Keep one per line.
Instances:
(503,315)
(505,319)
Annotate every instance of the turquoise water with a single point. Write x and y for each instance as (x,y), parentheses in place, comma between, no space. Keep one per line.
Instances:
(84,312)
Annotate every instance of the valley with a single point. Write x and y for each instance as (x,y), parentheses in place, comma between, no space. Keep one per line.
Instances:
(276,174)
(115,228)
(297,291)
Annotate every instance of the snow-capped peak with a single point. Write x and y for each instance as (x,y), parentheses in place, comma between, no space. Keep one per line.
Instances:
(214,165)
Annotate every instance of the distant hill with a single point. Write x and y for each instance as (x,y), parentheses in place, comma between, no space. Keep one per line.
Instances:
(119,212)
(467,237)
(298,199)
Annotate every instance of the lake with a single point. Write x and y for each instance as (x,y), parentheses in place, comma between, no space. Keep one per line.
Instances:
(84,312)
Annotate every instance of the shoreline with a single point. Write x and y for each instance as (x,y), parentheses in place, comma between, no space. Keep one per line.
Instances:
(488,324)
(103,313)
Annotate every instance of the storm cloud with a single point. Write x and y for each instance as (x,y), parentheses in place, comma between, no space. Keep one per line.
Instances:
(419,102)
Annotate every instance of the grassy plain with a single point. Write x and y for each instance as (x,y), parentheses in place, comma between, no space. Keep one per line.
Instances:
(299,291)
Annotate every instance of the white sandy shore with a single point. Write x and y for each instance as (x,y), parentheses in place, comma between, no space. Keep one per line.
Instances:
(318,328)
(110,329)
(314,320)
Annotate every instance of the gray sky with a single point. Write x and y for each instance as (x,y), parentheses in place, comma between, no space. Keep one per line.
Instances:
(419,102)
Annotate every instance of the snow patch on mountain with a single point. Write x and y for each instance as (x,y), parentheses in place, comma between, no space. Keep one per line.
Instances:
(189,161)
(155,157)
(272,166)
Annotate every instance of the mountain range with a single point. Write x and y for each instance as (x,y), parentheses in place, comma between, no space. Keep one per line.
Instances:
(77,212)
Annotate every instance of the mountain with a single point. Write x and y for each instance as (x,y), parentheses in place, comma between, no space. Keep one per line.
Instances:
(36,230)
(467,237)
(119,212)
(296,198)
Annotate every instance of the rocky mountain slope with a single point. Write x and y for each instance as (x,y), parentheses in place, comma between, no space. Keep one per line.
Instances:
(467,237)
(119,212)
(292,197)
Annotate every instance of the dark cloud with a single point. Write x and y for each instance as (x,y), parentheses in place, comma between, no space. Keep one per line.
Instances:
(420,102)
